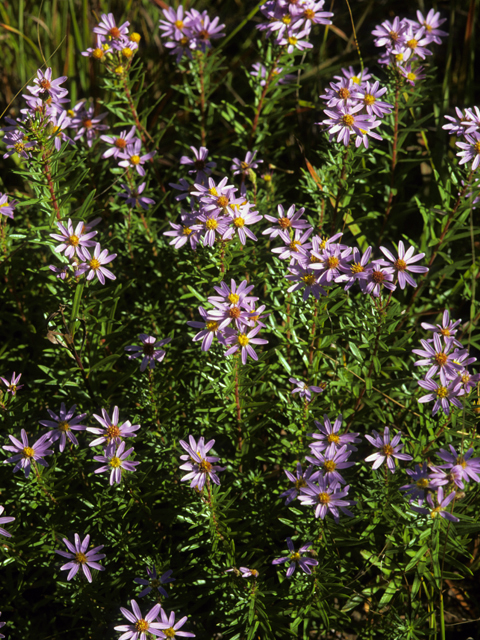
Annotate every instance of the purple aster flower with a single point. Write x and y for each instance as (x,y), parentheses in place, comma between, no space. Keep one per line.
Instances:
(441,508)
(387,449)
(63,425)
(115,461)
(95,265)
(431,22)
(85,123)
(471,121)
(369,95)
(438,358)
(235,295)
(72,239)
(329,262)
(60,272)
(325,498)
(378,277)
(107,27)
(44,82)
(154,582)
(140,625)
(416,43)
(467,380)
(331,460)
(5,520)
(183,46)
(239,223)
(6,208)
(170,629)
(404,263)
(295,559)
(339,92)
(311,13)
(133,196)
(199,164)
(224,314)
(80,557)
(358,270)
(285,222)
(296,249)
(243,341)
(188,231)
(357,78)
(213,223)
(24,453)
(389,34)
(198,464)
(455,126)
(112,432)
(470,149)
(447,329)
(150,350)
(411,74)
(329,436)
(209,329)
(443,395)
(293,41)
(463,466)
(306,279)
(417,489)
(118,143)
(248,573)
(299,481)
(243,166)
(304,390)
(13,386)
(131,157)
(16,143)
(346,120)
(204,29)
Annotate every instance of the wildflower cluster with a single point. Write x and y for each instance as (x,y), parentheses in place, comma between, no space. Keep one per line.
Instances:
(114,46)
(189,31)
(232,306)
(290,23)
(448,362)
(404,43)
(466,126)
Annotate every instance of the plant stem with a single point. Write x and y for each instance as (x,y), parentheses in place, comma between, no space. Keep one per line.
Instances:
(339,192)
(239,409)
(268,81)
(394,158)
(51,187)
(314,327)
(201,70)
(141,129)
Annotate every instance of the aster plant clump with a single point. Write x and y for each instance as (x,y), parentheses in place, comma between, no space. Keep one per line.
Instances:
(239,278)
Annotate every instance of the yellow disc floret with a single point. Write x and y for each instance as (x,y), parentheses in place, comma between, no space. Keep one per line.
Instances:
(243,340)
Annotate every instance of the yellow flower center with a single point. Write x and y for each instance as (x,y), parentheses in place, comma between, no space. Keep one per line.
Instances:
(333,262)
(239,222)
(284,223)
(387,449)
(442,392)
(441,358)
(369,99)
(81,557)
(234,312)
(356,268)
(28,452)
(205,466)
(332,437)
(19,147)
(292,40)
(127,52)
(286,19)
(222,201)
(184,41)
(170,632)
(329,466)
(211,325)
(118,70)
(243,340)
(323,498)
(300,483)
(343,93)
(465,378)
(113,431)
(434,512)
(74,240)
(135,37)
(399,57)
(142,625)
(476,146)
(355,79)
(213,191)
(378,277)
(211,223)
(254,573)
(115,462)
(98,53)
(445,332)
(105,46)
(135,159)
(114,32)
(411,76)
(400,264)
(309,14)
(348,120)
(393,35)
(63,426)
(422,483)
(428,27)
(309,279)
(186,231)
(295,557)
(412,44)
(461,461)
(294,245)
(178,24)
(94,264)
(233,298)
